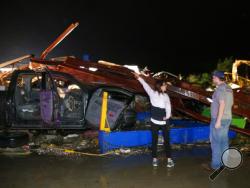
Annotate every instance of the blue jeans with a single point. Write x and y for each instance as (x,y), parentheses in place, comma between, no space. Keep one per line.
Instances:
(219,141)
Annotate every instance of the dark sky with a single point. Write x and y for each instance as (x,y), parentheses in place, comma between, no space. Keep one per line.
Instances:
(180,37)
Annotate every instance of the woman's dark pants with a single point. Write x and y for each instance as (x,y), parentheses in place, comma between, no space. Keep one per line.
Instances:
(165,133)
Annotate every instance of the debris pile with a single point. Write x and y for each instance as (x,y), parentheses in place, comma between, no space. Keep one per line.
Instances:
(242,142)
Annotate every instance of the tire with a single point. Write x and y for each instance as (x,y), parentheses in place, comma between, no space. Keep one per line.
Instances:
(2,108)
(13,140)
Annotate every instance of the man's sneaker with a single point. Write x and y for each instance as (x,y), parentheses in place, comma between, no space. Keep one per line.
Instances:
(170,163)
(155,162)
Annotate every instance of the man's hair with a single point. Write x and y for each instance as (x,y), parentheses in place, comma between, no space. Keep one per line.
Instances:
(158,85)
(222,79)
(219,74)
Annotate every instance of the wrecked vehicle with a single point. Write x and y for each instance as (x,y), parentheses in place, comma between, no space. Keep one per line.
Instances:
(50,99)
(66,93)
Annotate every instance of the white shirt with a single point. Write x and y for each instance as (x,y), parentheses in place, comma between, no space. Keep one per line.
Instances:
(160,100)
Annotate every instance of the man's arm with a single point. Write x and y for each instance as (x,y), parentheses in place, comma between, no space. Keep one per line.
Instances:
(220,114)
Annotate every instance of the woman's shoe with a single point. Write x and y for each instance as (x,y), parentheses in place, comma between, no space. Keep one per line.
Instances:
(155,162)
(170,163)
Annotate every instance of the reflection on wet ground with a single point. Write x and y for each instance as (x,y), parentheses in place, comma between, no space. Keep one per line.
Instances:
(118,171)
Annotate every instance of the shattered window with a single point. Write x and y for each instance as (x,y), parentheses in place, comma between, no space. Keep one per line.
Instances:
(71,98)
(27,96)
(28,87)
(65,86)
(119,96)
(36,82)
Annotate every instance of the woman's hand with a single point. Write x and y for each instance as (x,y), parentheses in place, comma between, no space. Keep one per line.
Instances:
(136,75)
(167,120)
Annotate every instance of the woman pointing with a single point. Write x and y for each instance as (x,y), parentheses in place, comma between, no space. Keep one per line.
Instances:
(160,113)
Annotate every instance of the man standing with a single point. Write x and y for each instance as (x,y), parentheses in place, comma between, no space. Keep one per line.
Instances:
(221,116)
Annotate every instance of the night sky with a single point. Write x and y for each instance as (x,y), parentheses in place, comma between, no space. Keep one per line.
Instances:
(180,37)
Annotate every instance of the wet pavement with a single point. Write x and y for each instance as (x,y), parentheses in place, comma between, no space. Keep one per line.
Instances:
(126,171)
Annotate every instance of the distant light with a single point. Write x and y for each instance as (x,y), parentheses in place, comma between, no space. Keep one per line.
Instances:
(234,86)
(209,100)
(133,67)
(6,69)
(209,89)
(180,77)
(86,57)
(93,69)
(2,88)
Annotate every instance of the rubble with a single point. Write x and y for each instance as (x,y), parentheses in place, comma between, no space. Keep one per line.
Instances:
(78,145)
(187,100)
(48,139)
(19,151)
(242,142)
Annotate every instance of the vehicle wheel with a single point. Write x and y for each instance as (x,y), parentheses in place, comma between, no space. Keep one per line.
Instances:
(13,140)
(2,109)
